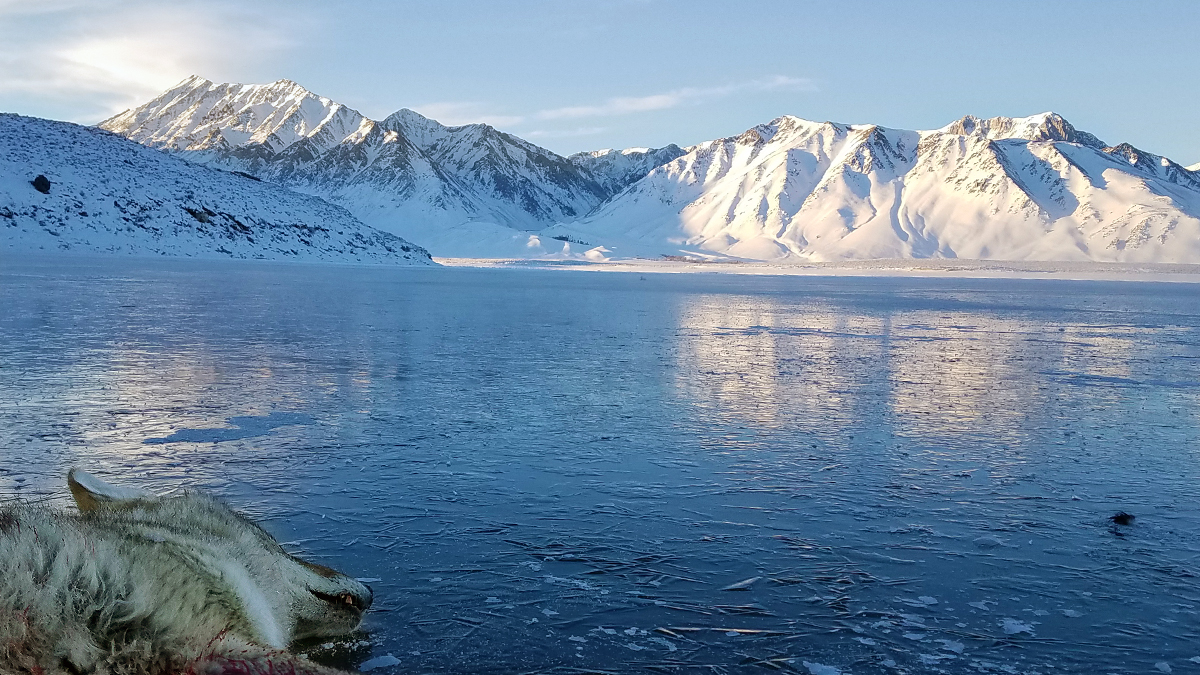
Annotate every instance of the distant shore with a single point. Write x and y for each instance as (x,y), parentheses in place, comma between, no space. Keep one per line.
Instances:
(940,267)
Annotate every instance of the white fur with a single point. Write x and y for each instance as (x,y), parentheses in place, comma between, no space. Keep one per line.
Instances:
(107,490)
(146,584)
(254,603)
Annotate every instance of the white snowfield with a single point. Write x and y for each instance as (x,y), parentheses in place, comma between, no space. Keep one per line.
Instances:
(1029,188)
(459,187)
(1032,188)
(109,195)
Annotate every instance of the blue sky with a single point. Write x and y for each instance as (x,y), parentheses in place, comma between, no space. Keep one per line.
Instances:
(574,75)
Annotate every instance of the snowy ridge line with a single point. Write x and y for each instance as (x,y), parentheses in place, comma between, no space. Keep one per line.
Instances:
(65,187)
(1003,188)
(406,174)
(1032,188)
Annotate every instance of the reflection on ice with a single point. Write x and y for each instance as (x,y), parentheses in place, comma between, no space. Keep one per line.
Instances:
(753,360)
(568,472)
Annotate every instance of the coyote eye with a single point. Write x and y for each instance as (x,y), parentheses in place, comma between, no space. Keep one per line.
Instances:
(343,600)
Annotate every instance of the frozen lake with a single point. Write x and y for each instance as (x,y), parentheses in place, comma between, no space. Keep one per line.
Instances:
(559,471)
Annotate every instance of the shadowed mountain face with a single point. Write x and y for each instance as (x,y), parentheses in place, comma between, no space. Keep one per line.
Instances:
(405,174)
(618,169)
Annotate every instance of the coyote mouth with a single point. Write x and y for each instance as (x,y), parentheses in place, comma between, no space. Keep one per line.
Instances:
(344,600)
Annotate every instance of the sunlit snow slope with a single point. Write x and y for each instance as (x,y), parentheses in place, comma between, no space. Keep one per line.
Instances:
(1030,188)
(454,187)
(107,194)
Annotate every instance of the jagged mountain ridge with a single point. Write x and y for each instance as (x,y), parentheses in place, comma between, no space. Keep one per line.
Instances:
(405,174)
(618,169)
(524,183)
(106,194)
(1001,188)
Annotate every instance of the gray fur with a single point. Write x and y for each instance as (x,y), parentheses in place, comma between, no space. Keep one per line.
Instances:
(143,584)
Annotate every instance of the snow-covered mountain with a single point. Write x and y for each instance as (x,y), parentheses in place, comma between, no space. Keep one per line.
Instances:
(64,186)
(1005,188)
(406,174)
(518,183)
(1195,167)
(1031,188)
(618,169)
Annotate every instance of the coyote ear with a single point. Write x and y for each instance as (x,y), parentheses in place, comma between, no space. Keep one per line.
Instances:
(91,493)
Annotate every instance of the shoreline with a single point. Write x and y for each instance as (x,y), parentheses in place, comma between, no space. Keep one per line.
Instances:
(933,268)
(939,268)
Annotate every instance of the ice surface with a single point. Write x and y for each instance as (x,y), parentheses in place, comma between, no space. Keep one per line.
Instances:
(247,426)
(385,661)
(603,453)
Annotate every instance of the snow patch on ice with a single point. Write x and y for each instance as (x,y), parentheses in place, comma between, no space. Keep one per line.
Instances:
(385,661)
(1013,627)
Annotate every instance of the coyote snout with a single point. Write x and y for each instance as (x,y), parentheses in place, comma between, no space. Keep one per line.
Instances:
(139,583)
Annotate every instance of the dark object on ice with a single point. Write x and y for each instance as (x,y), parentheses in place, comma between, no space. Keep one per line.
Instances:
(41,184)
(1122,518)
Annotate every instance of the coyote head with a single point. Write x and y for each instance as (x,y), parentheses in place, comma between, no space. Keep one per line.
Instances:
(204,564)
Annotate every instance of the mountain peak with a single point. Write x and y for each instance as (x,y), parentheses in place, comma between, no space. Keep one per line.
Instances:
(408,115)
(1046,126)
(191,82)
(406,120)
(259,119)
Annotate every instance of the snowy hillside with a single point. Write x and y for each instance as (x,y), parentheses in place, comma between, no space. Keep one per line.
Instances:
(1030,188)
(104,194)
(407,174)
(1195,167)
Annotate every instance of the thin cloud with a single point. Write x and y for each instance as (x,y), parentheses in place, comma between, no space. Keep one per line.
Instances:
(626,105)
(455,114)
(100,58)
(564,133)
